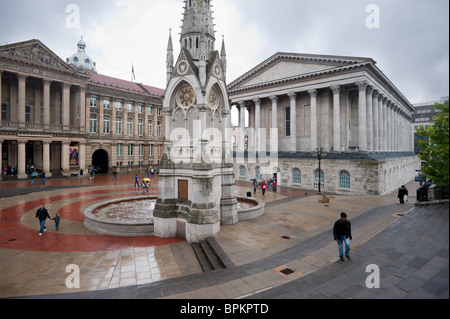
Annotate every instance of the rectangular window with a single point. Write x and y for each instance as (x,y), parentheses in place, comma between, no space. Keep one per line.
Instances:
(118,126)
(151,150)
(140,109)
(4,112)
(141,150)
(93,102)
(106,104)
(158,129)
(159,111)
(119,150)
(288,121)
(93,123)
(131,150)
(130,127)
(150,111)
(28,114)
(106,124)
(130,107)
(150,129)
(140,127)
(119,106)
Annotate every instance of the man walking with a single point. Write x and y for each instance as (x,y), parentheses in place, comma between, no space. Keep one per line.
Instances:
(42,215)
(342,232)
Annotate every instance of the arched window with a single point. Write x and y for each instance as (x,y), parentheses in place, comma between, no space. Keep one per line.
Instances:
(296,176)
(316,179)
(344,180)
(243,172)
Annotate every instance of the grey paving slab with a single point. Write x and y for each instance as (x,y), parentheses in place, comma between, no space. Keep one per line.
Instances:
(405,272)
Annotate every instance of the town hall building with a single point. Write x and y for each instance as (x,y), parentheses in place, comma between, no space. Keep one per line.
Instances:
(345,108)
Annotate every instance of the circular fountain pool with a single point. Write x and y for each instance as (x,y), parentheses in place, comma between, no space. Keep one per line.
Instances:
(132,216)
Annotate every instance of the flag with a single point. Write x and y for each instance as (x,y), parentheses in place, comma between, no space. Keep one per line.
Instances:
(133,75)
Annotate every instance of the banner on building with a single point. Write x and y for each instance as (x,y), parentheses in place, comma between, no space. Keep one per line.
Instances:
(73,156)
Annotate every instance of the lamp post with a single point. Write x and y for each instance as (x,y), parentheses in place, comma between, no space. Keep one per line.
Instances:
(320,153)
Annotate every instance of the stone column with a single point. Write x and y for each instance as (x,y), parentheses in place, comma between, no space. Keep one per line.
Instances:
(65,159)
(380,122)
(21,99)
(46,158)
(46,98)
(168,113)
(336,118)
(136,120)
(82,109)
(274,100)
(82,155)
(375,120)
(389,125)
(1,73)
(145,110)
(101,114)
(369,118)
(88,114)
(293,98)
(125,121)
(66,106)
(241,141)
(362,116)
(385,125)
(21,161)
(313,95)
(257,123)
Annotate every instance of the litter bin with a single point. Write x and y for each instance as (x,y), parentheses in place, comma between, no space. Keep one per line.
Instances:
(422,194)
(249,194)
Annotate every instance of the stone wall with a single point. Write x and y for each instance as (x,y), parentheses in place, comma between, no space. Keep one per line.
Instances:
(373,174)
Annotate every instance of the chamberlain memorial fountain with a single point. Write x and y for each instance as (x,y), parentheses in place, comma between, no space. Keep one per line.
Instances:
(196,192)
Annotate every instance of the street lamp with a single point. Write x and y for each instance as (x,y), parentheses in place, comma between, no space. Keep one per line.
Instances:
(320,153)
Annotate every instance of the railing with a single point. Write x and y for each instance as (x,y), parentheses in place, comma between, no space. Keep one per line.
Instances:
(36,127)
(426,193)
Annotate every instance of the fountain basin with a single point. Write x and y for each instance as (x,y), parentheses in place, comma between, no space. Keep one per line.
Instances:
(133,216)
(250,208)
(122,217)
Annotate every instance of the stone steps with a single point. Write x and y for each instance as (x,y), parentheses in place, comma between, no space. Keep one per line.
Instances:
(210,255)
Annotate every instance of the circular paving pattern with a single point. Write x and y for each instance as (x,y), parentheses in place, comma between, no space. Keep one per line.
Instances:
(14,234)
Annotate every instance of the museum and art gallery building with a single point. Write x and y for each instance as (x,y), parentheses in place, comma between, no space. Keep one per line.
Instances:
(63,117)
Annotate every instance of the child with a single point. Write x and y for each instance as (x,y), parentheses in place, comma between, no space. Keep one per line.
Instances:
(144,186)
(57,220)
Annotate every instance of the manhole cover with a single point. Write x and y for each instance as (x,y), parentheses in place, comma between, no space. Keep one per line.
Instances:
(287,271)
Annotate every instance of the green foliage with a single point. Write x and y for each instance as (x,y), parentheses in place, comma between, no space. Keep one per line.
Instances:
(435,145)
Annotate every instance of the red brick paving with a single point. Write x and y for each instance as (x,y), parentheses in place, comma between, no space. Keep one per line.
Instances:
(27,239)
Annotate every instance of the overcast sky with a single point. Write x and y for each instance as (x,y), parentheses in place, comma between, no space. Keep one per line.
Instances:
(410,45)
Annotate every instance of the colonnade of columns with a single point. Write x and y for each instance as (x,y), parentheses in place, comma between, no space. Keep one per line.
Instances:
(382,124)
(68,117)
(20,164)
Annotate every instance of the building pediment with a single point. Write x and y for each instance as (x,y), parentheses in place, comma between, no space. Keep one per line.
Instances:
(289,66)
(35,52)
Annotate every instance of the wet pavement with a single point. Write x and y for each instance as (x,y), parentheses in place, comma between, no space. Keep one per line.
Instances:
(287,253)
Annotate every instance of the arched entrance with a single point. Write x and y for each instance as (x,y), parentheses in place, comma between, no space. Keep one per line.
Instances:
(100,160)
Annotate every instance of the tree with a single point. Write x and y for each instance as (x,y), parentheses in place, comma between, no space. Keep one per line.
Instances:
(435,147)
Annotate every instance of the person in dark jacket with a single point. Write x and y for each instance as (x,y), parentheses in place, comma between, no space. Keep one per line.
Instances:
(42,215)
(402,192)
(342,232)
